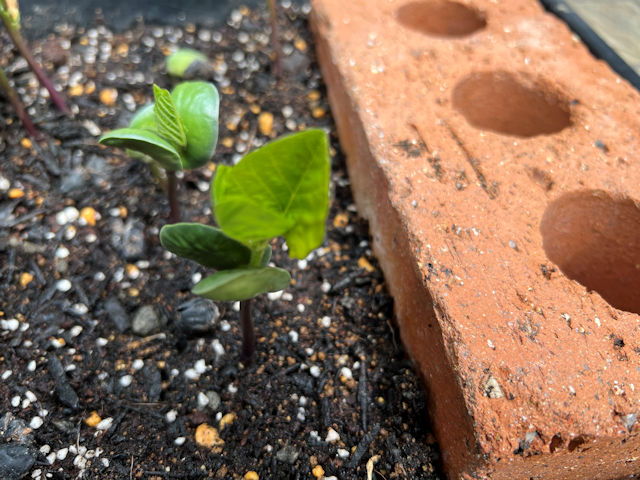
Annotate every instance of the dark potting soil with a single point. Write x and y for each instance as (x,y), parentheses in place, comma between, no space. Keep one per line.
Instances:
(109,367)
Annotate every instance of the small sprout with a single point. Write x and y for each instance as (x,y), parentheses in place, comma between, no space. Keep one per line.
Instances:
(281,189)
(187,63)
(179,131)
(10,15)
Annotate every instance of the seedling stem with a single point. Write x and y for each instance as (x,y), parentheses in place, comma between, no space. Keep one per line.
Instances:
(11,21)
(12,95)
(275,38)
(172,195)
(248,333)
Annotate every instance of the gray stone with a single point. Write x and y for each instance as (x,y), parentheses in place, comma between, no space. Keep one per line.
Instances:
(128,238)
(15,461)
(117,314)
(16,430)
(287,454)
(66,394)
(146,320)
(214,401)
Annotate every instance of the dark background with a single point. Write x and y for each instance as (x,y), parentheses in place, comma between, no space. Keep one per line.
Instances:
(40,16)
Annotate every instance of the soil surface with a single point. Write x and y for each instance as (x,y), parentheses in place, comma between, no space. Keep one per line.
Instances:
(110,368)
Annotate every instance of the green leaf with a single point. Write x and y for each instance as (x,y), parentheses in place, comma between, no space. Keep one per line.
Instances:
(198,104)
(266,256)
(279,189)
(206,245)
(147,143)
(184,60)
(168,121)
(144,118)
(242,283)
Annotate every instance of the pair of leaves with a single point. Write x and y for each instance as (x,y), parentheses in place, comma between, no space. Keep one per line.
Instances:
(180,130)
(236,278)
(279,189)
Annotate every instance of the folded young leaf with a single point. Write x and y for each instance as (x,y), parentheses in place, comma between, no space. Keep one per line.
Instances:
(147,143)
(168,121)
(279,189)
(197,104)
(204,244)
(242,283)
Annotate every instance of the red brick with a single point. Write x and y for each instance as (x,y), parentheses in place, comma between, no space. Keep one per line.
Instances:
(496,161)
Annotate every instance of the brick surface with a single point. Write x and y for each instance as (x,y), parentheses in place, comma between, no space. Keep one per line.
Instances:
(496,161)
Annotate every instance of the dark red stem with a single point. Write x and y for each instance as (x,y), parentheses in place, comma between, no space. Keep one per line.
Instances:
(172,194)
(17,105)
(248,332)
(275,38)
(19,43)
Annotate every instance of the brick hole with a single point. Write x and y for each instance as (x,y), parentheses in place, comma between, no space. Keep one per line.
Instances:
(441,17)
(511,104)
(595,239)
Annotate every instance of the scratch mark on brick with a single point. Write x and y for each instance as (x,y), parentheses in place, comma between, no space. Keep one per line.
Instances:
(490,190)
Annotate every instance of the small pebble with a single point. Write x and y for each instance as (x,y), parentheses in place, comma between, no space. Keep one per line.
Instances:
(203,400)
(63,285)
(318,471)
(207,436)
(36,423)
(343,453)
(93,419)
(314,371)
(251,475)
(275,295)
(62,453)
(171,416)
(265,123)
(126,380)
(179,441)
(332,436)
(67,215)
(12,324)
(293,335)
(218,349)
(105,424)
(137,364)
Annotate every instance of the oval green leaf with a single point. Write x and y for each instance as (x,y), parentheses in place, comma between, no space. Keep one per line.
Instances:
(279,189)
(144,118)
(204,244)
(242,283)
(184,60)
(147,143)
(198,104)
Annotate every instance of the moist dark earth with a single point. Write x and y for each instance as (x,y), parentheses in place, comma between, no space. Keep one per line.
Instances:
(109,367)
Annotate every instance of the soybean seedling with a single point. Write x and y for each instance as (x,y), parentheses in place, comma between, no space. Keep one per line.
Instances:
(280,189)
(179,131)
(10,14)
